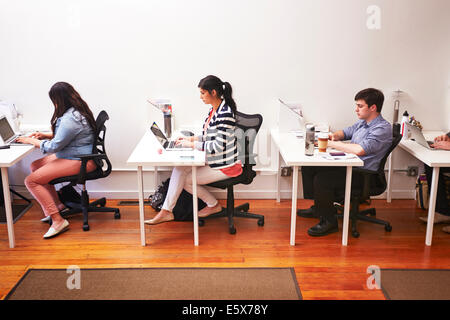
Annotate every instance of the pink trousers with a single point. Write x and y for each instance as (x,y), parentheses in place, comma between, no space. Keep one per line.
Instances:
(45,170)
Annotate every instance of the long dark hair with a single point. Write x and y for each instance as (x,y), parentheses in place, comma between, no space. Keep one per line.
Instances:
(224,89)
(64,96)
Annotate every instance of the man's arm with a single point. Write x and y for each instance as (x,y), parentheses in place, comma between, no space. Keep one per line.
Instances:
(337,136)
(347,147)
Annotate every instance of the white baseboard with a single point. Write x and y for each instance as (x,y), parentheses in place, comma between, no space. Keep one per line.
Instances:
(219,194)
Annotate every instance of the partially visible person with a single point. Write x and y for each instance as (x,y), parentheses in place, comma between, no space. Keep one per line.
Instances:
(370,138)
(442,210)
(73,127)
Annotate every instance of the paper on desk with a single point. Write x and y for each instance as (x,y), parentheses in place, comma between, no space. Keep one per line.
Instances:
(330,157)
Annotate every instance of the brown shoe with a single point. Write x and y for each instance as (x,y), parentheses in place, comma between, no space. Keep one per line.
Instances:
(207,211)
(160,218)
(438,218)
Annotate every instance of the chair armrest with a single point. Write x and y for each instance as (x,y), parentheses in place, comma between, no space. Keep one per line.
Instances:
(92,156)
(84,159)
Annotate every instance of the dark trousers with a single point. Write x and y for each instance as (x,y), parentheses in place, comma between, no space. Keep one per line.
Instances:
(326,185)
(442,203)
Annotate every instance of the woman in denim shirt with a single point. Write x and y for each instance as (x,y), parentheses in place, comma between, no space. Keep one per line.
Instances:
(73,127)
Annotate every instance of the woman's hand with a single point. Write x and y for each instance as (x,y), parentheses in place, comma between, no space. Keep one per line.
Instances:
(443,145)
(185,142)
(41,135)
(29,140)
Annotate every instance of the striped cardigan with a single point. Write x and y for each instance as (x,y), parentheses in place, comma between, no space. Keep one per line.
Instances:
(219,142)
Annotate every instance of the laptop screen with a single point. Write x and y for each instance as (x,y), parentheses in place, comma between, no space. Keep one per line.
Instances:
(159,134)
(5,129)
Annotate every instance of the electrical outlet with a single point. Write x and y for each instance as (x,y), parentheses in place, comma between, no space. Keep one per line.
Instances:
(412,171)
(286,171)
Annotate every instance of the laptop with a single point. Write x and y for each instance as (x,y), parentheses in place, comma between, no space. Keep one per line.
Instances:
(418,136)
(168,145)
(7,133)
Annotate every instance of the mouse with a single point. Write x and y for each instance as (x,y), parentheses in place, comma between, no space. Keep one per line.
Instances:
(187,133)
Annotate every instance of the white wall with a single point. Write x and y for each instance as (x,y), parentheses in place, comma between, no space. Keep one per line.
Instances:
(320,53)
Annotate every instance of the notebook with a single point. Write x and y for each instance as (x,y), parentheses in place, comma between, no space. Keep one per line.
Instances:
(7,133)
(167,144)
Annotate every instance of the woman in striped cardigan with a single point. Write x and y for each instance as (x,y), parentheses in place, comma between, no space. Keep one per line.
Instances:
(218,140)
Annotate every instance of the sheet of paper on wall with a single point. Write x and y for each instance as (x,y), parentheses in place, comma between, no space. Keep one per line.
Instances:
(9,110)
(296,108)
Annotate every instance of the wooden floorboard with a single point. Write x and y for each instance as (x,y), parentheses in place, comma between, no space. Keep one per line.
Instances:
(324,268)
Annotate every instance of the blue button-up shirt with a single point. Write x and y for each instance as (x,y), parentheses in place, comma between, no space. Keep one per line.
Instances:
(73,137)
(374,137)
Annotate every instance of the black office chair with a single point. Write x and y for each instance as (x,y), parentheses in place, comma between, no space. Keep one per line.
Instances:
(247,128)
(374,183)
(100,158)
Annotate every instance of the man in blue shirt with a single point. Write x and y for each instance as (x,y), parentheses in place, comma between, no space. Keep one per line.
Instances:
(370,138)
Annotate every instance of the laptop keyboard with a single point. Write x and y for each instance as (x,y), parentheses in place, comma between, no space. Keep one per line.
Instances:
(172,145)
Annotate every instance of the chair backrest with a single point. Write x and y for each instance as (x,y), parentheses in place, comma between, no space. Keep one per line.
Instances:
(381,182)
(99,144)
(247,127)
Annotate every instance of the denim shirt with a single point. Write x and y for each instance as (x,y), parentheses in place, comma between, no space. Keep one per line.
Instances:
(374,137)
(73,136)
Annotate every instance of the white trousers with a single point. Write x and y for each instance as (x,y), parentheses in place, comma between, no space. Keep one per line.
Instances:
(181,178)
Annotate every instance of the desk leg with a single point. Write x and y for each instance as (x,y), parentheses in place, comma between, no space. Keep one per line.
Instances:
(294,204)
(432,205)
(195,203)
(141,204)
(348,187)
(279,178)
(8,208)
(155,178)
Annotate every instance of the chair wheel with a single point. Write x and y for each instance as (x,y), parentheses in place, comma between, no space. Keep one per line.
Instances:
(261,222)
(85,227)
(232,230)
(355,234)
(117,215)
(372,212)
(102,203)
(388,228)
(201,222)
(246,207)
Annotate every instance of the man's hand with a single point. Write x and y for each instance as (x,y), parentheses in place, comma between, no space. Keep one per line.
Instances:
(443,145)
(444,137)
(336,136)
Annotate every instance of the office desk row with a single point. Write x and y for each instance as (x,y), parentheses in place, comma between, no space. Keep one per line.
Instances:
(435,159)
(8,158)
(290,148)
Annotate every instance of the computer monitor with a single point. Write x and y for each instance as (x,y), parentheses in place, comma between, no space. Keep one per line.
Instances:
(290,117)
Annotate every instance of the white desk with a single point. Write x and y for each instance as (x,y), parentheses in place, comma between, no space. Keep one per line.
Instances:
(9,157)
(292,150)
(435,159)
(146,154)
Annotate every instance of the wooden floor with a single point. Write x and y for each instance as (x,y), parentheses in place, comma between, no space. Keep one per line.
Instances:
(324,268)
